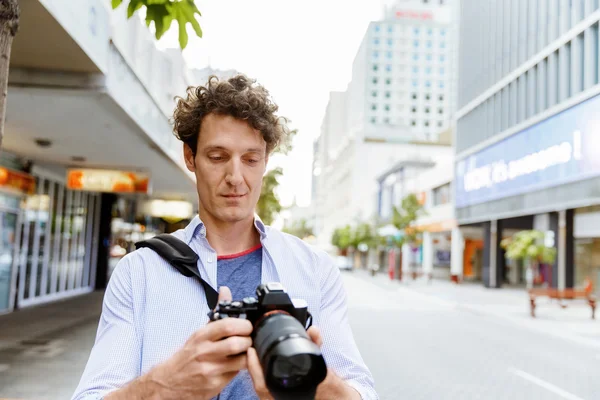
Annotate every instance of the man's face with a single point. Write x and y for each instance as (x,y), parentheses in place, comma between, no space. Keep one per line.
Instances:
(229,165)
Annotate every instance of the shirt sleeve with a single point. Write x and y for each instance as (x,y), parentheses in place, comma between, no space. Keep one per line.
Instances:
(339,348)
(115,357)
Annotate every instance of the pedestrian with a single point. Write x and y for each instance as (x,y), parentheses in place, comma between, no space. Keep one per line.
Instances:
(153,339)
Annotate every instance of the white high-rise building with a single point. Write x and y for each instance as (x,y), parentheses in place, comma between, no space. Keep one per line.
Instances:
(401,92)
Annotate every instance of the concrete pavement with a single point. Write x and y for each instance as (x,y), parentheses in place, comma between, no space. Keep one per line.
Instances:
(418,341)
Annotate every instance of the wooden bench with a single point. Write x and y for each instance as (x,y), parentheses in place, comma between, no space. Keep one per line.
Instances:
(565,294)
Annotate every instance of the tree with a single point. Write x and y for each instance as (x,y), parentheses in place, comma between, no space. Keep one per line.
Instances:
(404,217)
(268,206)
(342,238)
(161,13)
(299,229)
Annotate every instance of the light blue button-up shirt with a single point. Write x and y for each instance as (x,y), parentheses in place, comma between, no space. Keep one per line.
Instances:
(150,309)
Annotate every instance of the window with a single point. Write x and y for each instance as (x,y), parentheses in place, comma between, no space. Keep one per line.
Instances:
(441,194)
(429,31)
(442,45)
(426,123)
(387,95)
(428,70)
(414,109)
(426,110)
(427,96)
(416,57)
(427,84)
(413,123)
(375,54)
(389,54)
(374,93)
(416,31)
(387,107)
(441,97)
(428,57)
(442,58)
(373,120)
(375,67)
(376,41)
(416,70)
(388,81)
(415,83)
(373,107)
(414,96)
(429,44)
(390,42)
(386,121)
(388,68)
(441,71)
(416,43)
(390,29)
(377,28)
(443,32)
(441,85)
(441,110)
(375,80)
(440,123)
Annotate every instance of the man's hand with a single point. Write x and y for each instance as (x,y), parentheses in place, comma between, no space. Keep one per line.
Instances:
(208,361)
(332,388)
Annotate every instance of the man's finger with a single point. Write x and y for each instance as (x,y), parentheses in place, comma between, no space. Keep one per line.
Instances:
(230,346)
(223,328)
(234,364)
(256,372)
(225,294)
(315,335)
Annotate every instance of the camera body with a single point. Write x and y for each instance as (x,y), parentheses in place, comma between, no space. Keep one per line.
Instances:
(270,297)
(292,364)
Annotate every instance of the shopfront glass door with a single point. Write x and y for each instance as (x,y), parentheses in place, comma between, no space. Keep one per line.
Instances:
(8,236)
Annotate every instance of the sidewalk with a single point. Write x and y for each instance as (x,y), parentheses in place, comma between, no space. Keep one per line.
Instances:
(572,323)
(33,324)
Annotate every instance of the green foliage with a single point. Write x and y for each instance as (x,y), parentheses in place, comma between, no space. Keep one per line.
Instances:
(342,237)
(163,12)
(299,229)
(268,205)
(529,246)
(404,217)
(365,234)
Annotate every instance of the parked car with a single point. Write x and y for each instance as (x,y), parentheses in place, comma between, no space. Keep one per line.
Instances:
(343,263)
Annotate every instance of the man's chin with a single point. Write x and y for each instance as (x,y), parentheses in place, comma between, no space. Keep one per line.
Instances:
(233,216)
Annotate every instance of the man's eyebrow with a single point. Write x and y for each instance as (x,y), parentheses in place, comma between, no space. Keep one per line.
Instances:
(249,150)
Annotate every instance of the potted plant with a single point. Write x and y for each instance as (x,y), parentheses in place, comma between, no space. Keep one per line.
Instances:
(529,247)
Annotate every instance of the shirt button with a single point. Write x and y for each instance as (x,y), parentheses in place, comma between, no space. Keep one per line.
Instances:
(210,259)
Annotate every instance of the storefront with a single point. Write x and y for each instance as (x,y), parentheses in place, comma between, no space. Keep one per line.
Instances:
(537,178)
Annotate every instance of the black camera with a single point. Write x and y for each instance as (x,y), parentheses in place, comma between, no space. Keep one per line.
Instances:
(293,365)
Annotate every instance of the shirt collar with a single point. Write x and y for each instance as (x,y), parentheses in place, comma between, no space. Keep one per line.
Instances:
(196,228)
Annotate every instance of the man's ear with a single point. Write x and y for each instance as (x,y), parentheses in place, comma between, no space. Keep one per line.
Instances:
(189,157)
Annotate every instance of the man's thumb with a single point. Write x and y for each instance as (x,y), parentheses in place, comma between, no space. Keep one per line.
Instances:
(225,294)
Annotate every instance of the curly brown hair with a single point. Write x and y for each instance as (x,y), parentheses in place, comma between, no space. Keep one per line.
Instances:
(239,97)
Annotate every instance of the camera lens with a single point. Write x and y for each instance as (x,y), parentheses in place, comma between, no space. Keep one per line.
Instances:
(291,361)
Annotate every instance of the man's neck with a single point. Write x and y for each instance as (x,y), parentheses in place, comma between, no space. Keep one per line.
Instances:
(231,238)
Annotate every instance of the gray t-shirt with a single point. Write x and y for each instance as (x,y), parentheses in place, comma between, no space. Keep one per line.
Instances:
(242,274)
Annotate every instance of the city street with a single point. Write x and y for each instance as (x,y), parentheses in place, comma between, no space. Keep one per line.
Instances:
(418,346)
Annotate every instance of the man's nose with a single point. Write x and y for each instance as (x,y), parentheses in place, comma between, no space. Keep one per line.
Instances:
(234,173)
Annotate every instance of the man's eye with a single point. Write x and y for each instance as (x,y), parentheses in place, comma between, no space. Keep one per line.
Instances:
(252,161)
(216,158)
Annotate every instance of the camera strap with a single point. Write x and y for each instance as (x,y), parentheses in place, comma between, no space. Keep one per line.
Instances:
(182,258)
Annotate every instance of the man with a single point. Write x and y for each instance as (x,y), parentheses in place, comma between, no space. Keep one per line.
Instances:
(153,340)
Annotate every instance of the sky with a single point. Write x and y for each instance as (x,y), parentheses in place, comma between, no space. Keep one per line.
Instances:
(299,50)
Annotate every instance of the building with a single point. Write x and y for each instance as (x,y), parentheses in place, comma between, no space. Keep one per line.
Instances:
(401,92)
(526,146)
(87,138)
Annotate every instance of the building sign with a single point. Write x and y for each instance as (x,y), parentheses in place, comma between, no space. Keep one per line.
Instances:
(424,15)
(170,210)
(108,181)
(561,149)
(16,181)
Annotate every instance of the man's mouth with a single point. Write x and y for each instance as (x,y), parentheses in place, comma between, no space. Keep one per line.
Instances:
(233,196)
